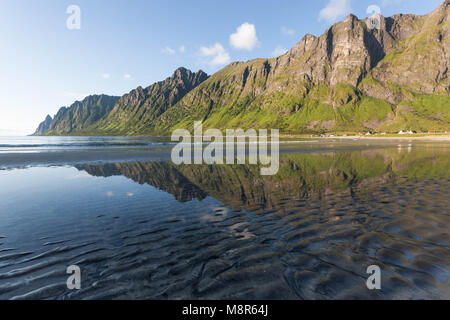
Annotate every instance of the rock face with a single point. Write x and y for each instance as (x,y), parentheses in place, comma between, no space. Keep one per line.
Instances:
(418,59)
(126,115)
(44,126)
(134,111)
(351,78)
(81,115)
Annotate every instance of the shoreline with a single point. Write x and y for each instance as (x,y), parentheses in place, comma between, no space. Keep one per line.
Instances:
(387,137)
(19,160)
(419,136)
(440,138)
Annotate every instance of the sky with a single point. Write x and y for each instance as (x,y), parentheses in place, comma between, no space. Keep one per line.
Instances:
(54,52)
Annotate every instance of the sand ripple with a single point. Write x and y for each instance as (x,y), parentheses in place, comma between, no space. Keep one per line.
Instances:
(316,248)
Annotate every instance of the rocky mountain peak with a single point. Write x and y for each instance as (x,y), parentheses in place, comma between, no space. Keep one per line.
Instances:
(350,76)
(351,18)
(445,5)
(187,76)
(135,109)
(181,73)
(44,126)
(441,13)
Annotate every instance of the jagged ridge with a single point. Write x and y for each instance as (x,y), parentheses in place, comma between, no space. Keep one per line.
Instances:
(349,79)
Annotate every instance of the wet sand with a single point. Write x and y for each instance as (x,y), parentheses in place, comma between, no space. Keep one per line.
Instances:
(158,231)
(60,158)
(303,249)
(12,159)
(437,138)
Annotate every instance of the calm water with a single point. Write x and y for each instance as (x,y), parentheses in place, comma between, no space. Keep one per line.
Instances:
(154,230)
(39,144)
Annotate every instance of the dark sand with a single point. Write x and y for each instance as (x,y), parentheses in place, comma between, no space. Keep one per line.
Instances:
(11,160)
(60,158)
(153,231)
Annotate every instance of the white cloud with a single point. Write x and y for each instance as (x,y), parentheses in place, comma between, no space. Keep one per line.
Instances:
(334,10)
(216,55)
(287,32)
(182,49)
(279,51)
(106,76)
(127,76)
(168,50)
(245,37)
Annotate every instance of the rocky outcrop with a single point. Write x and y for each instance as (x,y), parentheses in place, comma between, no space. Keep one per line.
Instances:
(129,114)
(134,111)
(351,78)
(419,58)
(43,126)
(81,115)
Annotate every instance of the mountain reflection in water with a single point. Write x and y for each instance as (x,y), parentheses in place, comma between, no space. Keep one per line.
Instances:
(301,176)
(215,232)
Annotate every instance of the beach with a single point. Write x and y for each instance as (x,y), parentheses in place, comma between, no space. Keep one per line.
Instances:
(437,138)
(141,227)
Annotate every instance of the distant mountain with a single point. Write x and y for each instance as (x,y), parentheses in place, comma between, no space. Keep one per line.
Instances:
(44,126)
(352,78)
(126,115)
(135,111)
(79,117)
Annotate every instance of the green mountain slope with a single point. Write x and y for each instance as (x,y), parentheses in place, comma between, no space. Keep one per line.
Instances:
(136,110)
(81,115)
(352,78)
(349,79)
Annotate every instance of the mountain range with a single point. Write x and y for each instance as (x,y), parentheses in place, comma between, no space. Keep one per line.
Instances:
(302,176)
(352,78)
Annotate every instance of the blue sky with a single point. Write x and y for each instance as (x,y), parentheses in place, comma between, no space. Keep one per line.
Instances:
(123,44)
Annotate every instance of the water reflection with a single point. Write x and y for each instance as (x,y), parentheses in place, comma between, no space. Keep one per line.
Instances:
(301,176)
(154,230)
